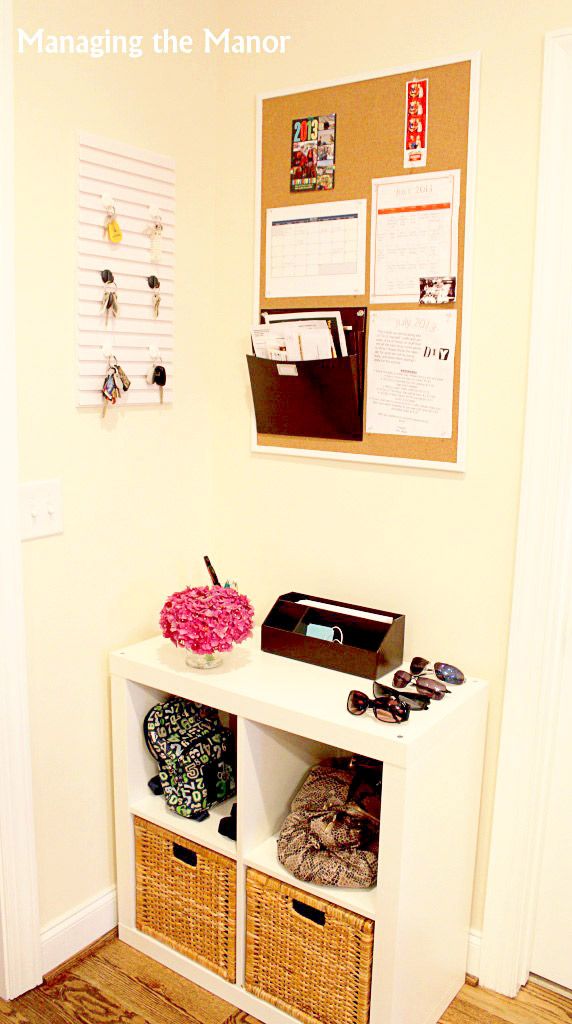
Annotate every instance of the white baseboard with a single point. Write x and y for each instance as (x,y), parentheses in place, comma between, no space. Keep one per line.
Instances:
(474,954)
(72,932)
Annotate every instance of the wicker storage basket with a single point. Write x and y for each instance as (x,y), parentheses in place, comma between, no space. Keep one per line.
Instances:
(306,956)
(186,897)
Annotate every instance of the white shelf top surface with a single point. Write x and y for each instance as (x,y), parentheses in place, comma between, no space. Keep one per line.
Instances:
(204,833)
(265,859)
(291,695)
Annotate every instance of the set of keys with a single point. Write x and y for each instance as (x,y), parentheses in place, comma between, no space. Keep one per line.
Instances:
(109,304)
(111,229)
(115,379)
(158,375)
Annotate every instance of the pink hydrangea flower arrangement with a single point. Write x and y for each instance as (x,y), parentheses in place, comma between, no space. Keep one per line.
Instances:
(207,619)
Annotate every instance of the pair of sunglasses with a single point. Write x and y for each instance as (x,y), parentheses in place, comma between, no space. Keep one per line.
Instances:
(414,701)
(386,708)
(435,689)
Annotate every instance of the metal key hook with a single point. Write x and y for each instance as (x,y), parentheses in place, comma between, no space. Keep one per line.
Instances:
(156,217)
(109,354)
(108,203)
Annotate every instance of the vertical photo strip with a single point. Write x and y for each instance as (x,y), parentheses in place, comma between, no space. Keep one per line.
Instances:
(416,123)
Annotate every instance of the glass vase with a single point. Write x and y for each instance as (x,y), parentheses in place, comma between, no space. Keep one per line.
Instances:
(195,660)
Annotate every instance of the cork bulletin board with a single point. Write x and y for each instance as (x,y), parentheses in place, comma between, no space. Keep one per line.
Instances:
(369,144)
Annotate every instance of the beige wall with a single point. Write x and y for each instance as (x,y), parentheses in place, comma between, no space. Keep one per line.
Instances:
(437,546)
(136,486)
(146,494)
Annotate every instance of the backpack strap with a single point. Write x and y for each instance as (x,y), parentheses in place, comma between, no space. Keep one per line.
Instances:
(147,731)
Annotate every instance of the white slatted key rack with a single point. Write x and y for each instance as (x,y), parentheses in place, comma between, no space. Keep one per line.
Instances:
(139,183)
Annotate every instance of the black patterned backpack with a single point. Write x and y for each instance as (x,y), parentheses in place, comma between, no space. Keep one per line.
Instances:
(194,754)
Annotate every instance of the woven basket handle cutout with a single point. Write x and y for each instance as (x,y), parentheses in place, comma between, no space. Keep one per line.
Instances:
(310,913)
(187,856)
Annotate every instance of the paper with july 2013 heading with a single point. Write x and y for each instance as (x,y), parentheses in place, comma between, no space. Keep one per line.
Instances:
(410,372)
(414,233)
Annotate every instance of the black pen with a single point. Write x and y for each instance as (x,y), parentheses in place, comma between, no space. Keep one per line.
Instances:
(212,573)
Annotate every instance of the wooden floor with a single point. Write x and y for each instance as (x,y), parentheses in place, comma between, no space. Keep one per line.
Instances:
(114,984)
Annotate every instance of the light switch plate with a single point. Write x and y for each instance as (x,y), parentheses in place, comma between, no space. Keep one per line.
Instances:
(40,509)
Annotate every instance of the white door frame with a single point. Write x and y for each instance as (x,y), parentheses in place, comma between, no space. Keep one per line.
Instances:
(20,964)
(542,585)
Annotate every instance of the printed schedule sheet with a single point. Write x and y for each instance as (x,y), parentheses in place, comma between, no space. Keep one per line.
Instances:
(410,372)
(414,233)
(316,249)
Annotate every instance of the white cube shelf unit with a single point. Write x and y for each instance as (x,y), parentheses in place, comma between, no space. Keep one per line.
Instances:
(289,716)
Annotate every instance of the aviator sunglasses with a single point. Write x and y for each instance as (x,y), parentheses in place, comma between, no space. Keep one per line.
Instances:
(386,708)
(433,688)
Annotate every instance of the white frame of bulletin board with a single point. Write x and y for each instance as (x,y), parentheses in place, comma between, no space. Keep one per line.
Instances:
(140,183)
(460,461)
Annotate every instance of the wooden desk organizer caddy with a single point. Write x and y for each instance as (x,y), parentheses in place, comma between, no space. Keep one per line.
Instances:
(370,648)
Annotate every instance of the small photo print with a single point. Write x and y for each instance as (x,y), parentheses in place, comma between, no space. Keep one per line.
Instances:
(325,153)
(437,290)
(303,168)
(325,178)
(417,89)
(327,129)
